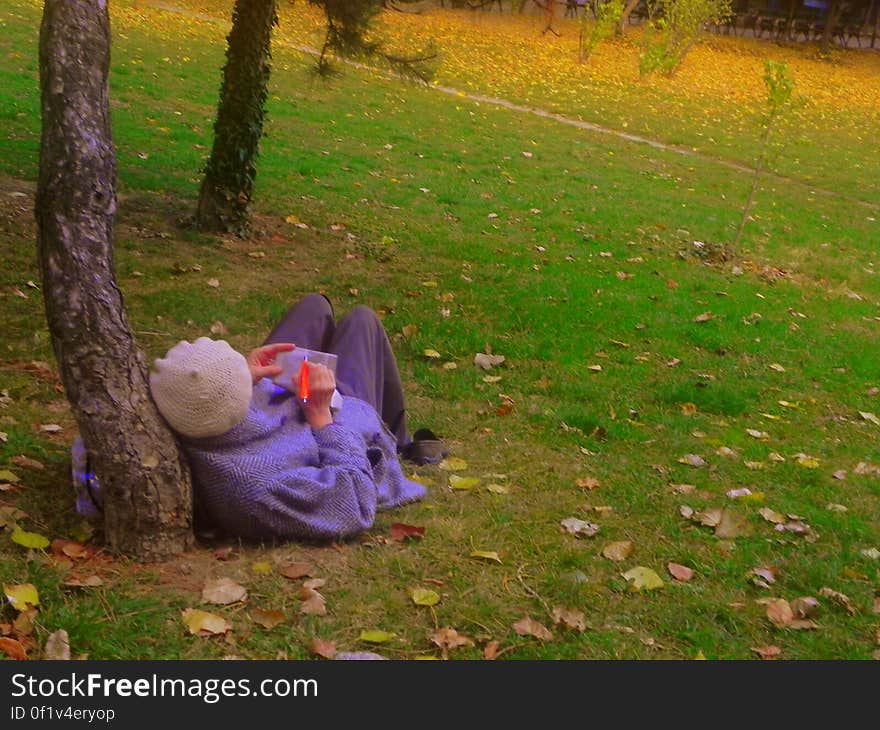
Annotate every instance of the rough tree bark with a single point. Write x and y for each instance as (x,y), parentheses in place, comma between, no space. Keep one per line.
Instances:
(144,478)
(228,184)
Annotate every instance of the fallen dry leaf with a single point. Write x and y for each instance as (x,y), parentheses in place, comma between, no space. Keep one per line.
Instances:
(679,572)
(763,577)
(294,571)
(27,463)
(12,648)
(29,539)
(693,460)
(266,618)
(570,618)
(202,623)
(839,598)
(732,525)
(588,483)
(22,596)
(313,603)
(57,646)
(779,612)
(448,638)
(486,555)
(641,578)
(70,548)
(804,607)
(401,532)
(709,517)
(376,636)
(767,652)
(771,515)
(463,483)
(490,651)
(487,362)
(618,551)
(527,626)
(424,596)
(223,591)
(79,581)
(453,463)
(579,528)
(323,648)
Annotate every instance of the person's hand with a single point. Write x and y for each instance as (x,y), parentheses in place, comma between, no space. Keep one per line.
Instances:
(261,361)
(322,383)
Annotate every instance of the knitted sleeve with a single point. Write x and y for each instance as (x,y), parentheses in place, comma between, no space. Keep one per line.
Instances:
(334,498)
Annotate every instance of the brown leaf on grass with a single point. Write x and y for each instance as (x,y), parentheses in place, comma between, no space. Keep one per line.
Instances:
(12,648)
(57,646)
(448,638)
(323,648)
(570,618)
(839,598)
(490,651)
(588,483)
(223,591)
(779,612)
(83,581)
(709,517)
(876,608)
(266,618)
(704,317)
(71,549)
(295,571)
(579,528)
(771,515)
(202,623)
(803,623)
(763,577)
(27,463)
(401,532)
(618,551)
(731,525)
(694,460)
(527,626)
(767,652)
(313,603)
(23,625)
(487,362)
(679,572)
(804,607)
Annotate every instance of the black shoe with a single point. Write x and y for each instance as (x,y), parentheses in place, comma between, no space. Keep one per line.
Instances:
(425,448)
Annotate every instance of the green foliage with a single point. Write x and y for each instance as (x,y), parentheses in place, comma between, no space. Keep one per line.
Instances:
(348,25)
(608,15)
(779,83)
(670,37)
(780,89)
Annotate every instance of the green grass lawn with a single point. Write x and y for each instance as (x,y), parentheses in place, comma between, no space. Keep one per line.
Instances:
(601,269)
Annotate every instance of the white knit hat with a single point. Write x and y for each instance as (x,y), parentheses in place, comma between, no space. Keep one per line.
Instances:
(202,388)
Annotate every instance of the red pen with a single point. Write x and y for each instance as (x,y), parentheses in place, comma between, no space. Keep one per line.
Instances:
(304,382)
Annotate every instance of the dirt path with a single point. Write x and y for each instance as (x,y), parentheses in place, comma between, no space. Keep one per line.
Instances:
(559,118)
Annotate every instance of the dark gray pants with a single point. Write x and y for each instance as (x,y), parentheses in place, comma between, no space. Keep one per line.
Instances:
(366,368)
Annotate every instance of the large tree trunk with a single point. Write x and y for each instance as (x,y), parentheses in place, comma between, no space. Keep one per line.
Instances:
(144,479)
(830,21)
(624,17)
(229,175)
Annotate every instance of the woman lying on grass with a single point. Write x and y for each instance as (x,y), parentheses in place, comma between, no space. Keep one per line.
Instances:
(268,464)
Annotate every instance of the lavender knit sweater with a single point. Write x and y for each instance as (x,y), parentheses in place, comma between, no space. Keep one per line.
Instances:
(273,476)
